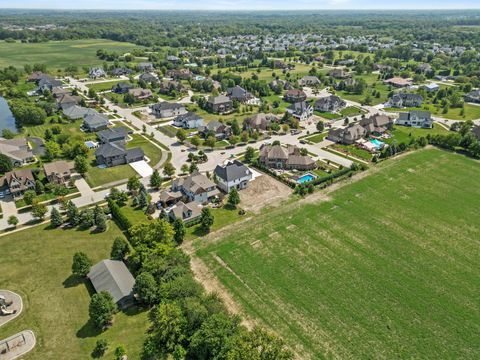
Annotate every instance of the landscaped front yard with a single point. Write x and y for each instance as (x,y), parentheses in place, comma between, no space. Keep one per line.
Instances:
(404,133)
(36,264)
(472,112)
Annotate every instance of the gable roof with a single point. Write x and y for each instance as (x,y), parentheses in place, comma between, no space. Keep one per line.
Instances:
(220,99)
(113,277)
(232,171)
(110,149)
(164,105)
(60,168)
(113,133)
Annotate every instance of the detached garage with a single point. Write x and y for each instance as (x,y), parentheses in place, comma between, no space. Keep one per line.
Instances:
(113,277)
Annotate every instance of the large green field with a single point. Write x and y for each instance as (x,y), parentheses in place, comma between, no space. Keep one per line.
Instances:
(59,54)
(386,268)
(36,263)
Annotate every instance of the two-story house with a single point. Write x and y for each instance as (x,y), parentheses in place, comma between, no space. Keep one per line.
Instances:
(196,187)
(18,181)
(232,175)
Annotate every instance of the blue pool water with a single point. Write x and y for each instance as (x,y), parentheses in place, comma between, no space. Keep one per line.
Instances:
(305,178)
(377,143)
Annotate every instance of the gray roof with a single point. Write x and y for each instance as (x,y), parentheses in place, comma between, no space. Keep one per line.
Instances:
(189,116)
(113,133)
(416,113)
(95,119)
(134,153)
(220,99)
(109,150)
(112,276)
(166,106)
(77,112)
(232,171)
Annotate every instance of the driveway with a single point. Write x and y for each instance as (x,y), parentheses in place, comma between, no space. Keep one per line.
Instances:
(142,168)
(83,187)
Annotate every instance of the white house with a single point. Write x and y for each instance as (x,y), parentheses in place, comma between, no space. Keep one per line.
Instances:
(414,118)
(301,110)
(232,175)
(190,120)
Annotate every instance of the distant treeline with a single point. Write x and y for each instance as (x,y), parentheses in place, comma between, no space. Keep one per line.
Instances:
(177,29)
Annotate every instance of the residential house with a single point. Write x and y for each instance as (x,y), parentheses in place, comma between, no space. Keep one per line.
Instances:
(113,154)
(76,112)
(473,97)
(58,172)
(301,110)
(188,213)
(190,120)
(18,181)
(122,88)
(167,86)
(113,277)
(220,104)
(398,82)
(232,175)
(278,85)
(347,135)
(145,66)
(239,94)
(95,122)
(167,110)
(406,100)
(121,71)
(17,150)
(376,124)
(148,78)
(431,87)
(295,95)
(215,128)
(113,135)
(196,187)
(178,74)
(279,64)
(47,83)
(173,58)
(339,73)
(96,72)
(65,101)
(168,198)
(309,81)
(140,94)
(260,121)
(330,103)
(414,118)
(287,158)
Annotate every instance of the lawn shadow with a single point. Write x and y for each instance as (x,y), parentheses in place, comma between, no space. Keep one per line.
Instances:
(72,281)
(88,330)
(200,231)
(134,310)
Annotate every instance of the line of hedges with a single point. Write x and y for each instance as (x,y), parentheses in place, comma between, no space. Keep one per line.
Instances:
(118,215)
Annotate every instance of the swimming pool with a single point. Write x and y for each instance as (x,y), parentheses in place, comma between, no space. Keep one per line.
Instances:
(91,144)
(377,143)
(305,178)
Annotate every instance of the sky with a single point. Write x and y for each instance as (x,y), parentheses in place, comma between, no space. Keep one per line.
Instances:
(241,4)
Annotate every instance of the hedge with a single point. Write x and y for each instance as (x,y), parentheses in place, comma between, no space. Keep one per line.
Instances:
(118,215)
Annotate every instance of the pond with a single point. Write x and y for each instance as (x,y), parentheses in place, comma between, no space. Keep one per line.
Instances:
(7,121)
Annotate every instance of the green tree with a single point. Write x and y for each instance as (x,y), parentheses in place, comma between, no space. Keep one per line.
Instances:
(5,163)
(56,218)
(210,141)
(87,219)
(320,126)
(179,231)
(101,309)
(100,219)
(146,288)
(206,219)
(155,234)
(81,264)
(120,248)
(29,197)
(120,352)
(73,215)
(52,150)
(39,210)
(12,220)
(168,169)
(133,183)
(155,179)
(249,154)
(101,348)
(81,164)
(168,328)
(233,198)
(181,135)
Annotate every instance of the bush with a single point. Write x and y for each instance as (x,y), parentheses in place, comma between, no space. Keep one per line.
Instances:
(118,215)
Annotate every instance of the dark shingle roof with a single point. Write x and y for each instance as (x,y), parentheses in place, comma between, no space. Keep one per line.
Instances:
(112,276)
(232,171)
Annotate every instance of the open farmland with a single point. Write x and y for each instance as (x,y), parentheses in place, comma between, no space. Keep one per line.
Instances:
(386,268)
(59,54)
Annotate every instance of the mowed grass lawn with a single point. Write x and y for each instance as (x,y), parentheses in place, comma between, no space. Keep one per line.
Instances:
(36,263)
(59,54)
(388,268)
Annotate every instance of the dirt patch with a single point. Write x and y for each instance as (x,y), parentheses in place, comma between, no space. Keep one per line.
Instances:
(203,275)
(263,191)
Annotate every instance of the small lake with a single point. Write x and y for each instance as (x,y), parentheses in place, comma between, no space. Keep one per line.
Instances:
(7,121)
